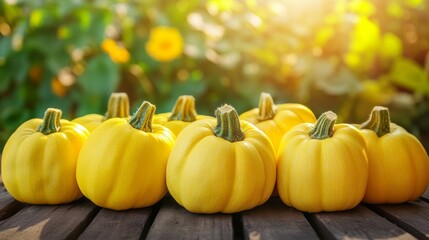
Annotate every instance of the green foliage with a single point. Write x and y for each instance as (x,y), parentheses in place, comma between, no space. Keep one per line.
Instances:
(345,56)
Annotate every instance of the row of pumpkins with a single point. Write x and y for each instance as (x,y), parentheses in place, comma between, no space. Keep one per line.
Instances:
(228,164)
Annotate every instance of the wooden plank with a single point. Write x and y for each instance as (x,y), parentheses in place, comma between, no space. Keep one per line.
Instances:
(5,198)
(175,222)
(110,224)
(8,205)
(358,223)
(275,220)
(412,216)
(49,221)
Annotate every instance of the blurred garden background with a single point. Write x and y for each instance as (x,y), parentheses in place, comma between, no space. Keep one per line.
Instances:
(345,56)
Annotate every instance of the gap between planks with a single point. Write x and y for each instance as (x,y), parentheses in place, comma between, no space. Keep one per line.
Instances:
(65,221)
(411,216)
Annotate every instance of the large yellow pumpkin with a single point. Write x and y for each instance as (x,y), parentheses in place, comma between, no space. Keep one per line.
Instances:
(39,160)
(322,166)
(398,163)
(182,114)
(118,107)
(122,164)
(276,120)
(221,165)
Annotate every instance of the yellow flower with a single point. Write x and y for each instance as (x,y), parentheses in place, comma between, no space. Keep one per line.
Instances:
(164,44)
(117,53)
(108,45)
(121,55)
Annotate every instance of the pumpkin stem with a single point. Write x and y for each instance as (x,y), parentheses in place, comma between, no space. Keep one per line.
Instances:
(118,106)
(184,109)
(379,121)
(324,127)
(267,109)
(51,121)
(228,124)
(142,118)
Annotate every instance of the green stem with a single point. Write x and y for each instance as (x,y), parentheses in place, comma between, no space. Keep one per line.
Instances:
(118,106)
(184,109)
(142,118)
(267,109)
(51,121)
(379,121)
(228,124)
(324,127)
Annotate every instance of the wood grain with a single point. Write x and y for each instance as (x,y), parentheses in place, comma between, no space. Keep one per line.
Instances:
(8,205)
(175,222)
(274,220)
(49,221)
(412,216)
(110,224)
(358,223)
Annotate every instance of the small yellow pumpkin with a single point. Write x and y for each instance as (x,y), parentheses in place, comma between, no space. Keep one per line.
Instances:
(39,160)
(398,163)
(122,164)
(118,107)
(276,120)
(182,114)
(221,165)
(322,166)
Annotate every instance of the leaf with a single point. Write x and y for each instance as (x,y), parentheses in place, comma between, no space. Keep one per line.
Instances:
(390,47)
(84,17)
(36,17)
(65,7)
(77,37)
(46,98)
(364,45)
(166,104)
(194,88)
(409,75)
(57,59)
(42,17)
(5,46)
(366,36)
(43,42)
(99,21)
(101,76)
(13,111)
(220,5)
(324,34)
(18,65)
(414,3)
(362,7)
(394,9)
(4,79)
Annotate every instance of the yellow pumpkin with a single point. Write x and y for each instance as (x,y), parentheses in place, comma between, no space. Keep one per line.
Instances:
(276,120)
(322,166)
(182,114)
(39,160)
(118,107)
(398,163)
(122,163)
(221,165)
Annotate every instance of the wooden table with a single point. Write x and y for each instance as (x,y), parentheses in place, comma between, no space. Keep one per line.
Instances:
(167,220)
